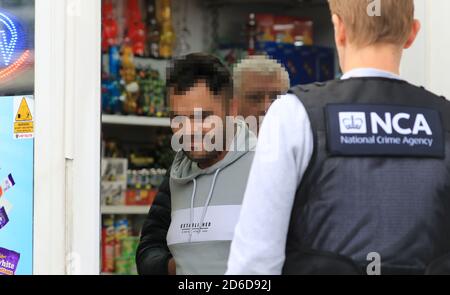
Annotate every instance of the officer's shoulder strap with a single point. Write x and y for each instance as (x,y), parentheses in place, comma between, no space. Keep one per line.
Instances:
(309,94)
(314,97)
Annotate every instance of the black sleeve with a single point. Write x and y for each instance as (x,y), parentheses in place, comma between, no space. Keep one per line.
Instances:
(153,255)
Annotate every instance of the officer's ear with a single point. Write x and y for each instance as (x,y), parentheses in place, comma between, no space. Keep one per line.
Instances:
(340,32)
(414,32)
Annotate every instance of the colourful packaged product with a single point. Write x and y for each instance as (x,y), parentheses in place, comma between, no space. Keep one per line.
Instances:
(130,199)
(284,29)
(114,62)
(123,266)
(8,262)
(3,218)
(143,197)
(8,183)
(108,245)
(122,228)
(129,246)
(265,24)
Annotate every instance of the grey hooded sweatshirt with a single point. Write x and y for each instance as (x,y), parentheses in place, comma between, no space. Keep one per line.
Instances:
(206,206)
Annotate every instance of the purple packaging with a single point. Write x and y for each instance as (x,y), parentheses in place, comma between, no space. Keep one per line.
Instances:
(8,183)
(3,218)
(8,262)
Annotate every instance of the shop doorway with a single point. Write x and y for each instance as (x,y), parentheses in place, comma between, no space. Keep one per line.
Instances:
(139,39)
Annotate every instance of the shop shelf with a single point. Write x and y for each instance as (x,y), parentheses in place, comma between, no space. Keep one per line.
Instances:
(144,63)
(125,210)
(135,121)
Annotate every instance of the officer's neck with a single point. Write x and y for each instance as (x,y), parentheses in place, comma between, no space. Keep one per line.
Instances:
(382,57)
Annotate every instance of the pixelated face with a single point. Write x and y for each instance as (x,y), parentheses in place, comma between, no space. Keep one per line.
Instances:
(257,93)
(201,112)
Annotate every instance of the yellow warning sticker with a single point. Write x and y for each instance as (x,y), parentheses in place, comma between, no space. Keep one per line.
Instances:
(23,117)
(23,127)
(24,113)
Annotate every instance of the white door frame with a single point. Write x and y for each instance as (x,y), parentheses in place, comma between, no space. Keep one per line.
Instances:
(427,63)
(67,144)
(68,123)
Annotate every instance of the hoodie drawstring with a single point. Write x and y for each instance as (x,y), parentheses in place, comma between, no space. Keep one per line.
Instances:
(205,208)
(192,210)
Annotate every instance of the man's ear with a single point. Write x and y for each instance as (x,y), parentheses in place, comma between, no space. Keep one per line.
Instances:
(340,33)
(413,35)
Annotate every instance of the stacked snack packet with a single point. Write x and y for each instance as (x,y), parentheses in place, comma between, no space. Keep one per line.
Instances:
(8,259)
(8,262)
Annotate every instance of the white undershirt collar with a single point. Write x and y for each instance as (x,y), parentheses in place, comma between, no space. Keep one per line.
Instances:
(369,72)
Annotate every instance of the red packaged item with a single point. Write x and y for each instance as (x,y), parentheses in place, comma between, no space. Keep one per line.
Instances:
(108,245)
(135,28)
(130,197)
(284,29)
(110,29)
(140,197)
(265,24)
(303,31)
(293,30)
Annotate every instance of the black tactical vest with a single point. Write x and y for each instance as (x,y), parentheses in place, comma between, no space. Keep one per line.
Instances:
(378,184)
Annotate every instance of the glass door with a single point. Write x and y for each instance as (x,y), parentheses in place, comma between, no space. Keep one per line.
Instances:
(17,127)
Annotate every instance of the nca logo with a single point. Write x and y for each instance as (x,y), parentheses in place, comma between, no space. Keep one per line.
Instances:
(401,123)
(353,123)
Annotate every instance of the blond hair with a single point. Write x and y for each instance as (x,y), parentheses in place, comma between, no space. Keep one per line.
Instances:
(392,26)
(260,65)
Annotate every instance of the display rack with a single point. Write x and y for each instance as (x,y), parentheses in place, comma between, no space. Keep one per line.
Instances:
(159,65)
(125,210)
(135,121)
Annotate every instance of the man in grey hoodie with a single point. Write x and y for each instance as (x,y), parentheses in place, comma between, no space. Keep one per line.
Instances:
(205,251)
(207,184)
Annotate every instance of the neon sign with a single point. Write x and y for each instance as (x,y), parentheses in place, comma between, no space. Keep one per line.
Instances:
(14,53)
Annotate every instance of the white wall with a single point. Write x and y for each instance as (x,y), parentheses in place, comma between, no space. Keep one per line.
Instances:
(427,63)
(438,42)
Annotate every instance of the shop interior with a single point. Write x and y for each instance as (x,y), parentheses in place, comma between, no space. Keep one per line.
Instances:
(139,38)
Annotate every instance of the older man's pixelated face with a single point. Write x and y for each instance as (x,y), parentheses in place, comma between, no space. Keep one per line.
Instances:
(257,92)
(187,105)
